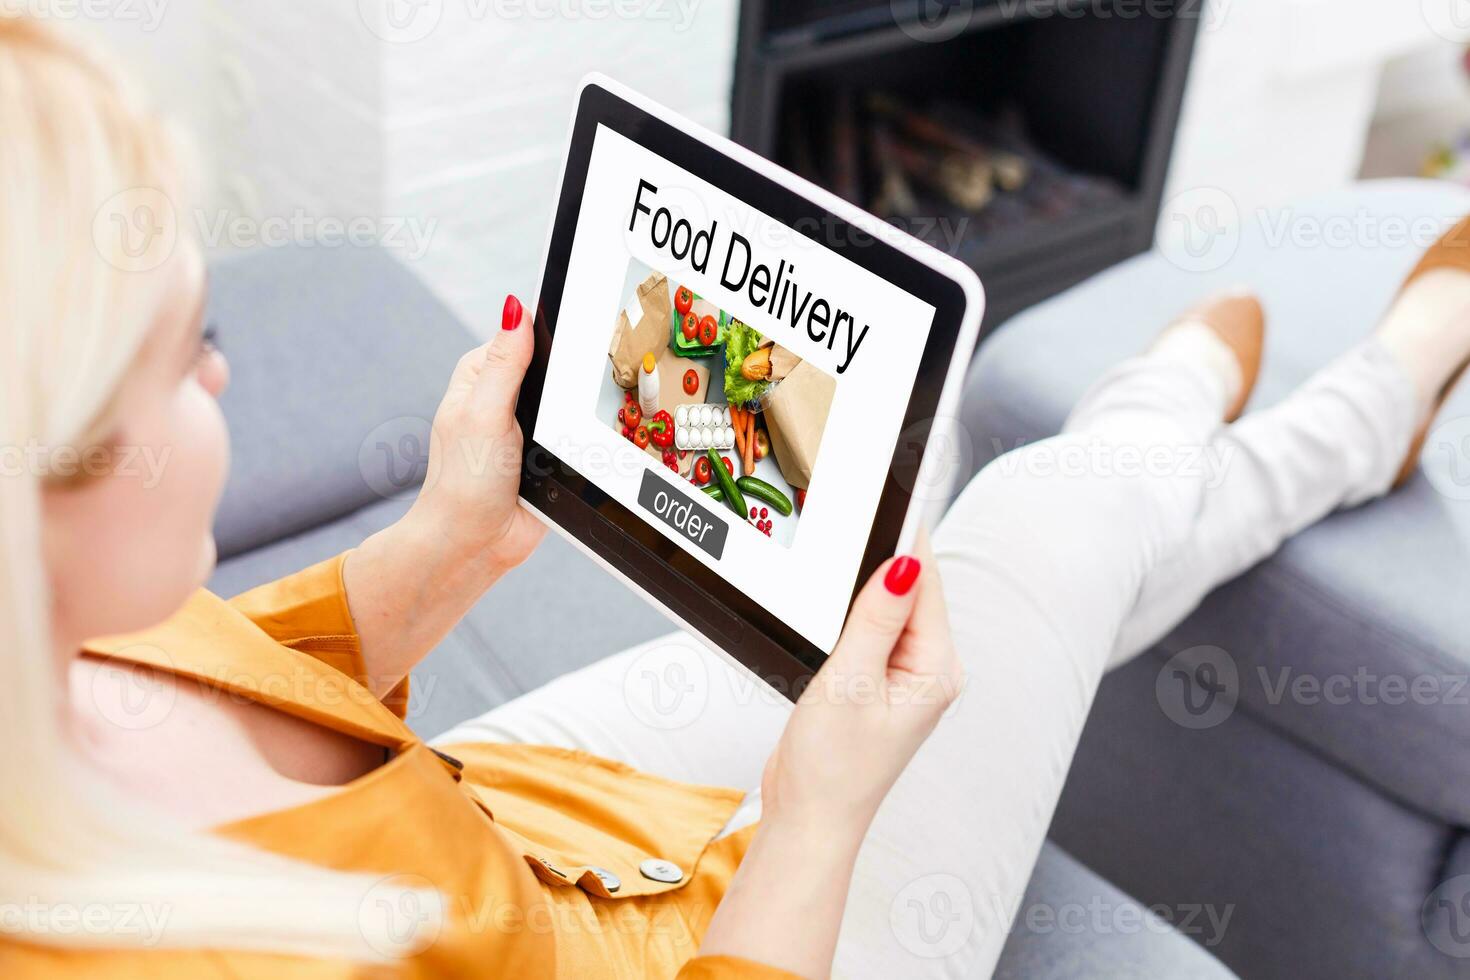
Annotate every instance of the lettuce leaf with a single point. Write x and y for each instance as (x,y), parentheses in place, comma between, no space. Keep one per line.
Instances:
(740,341)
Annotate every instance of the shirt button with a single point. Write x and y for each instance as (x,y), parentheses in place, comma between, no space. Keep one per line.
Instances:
(609,880)
(655,869)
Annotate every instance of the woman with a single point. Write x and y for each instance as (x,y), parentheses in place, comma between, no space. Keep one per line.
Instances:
(276,816)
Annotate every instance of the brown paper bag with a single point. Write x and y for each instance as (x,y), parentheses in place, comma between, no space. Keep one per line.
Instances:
(649,335)
(796,416)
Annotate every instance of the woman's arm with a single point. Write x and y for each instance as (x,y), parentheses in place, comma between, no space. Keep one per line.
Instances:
(409,584)
(855,728)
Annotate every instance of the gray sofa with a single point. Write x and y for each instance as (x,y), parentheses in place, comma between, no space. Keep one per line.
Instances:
(1326,796)
(339,356)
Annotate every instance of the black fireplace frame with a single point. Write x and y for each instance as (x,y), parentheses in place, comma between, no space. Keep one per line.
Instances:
(782,41)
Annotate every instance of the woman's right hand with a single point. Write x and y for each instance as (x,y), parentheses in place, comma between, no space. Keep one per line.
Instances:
(890,678)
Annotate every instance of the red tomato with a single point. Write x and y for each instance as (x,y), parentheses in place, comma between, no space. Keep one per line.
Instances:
(640,437)
(683,299)
(765,512)
(690,326)
(703,472)
(801,500)
(691,381)
(708,330)
(728,468)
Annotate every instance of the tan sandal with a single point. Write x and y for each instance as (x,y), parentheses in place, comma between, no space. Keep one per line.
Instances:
(1452,251)
(1239,320)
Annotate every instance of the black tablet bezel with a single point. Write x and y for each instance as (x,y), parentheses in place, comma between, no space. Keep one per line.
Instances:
(737,623)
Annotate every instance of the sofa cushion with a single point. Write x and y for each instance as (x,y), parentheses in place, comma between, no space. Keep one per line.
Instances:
(1370,602)
(315,434)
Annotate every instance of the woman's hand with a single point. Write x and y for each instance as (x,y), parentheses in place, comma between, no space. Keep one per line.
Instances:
(855,728)
(409,584)
(471,490)
(873,703)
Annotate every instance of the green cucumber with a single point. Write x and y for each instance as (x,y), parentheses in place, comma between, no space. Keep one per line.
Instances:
(761,490)
(727,485)
(714,491)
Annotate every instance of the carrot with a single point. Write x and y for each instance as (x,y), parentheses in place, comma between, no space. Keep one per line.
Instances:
(747,455)
(737,419)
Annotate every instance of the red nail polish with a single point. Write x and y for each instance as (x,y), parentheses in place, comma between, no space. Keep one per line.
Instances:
(902,575)
(511,318)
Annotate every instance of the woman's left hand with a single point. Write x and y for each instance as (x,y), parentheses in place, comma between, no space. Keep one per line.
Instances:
(411,582)
(471,491)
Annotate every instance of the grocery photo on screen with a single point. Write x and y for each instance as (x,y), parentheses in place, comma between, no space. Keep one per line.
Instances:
(733,416)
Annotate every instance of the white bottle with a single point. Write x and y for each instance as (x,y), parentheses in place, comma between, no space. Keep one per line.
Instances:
(648,387)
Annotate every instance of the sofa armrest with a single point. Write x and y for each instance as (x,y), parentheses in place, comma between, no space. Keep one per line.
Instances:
(338,357)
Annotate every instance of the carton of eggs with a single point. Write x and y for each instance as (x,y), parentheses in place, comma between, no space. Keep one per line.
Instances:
(703,427)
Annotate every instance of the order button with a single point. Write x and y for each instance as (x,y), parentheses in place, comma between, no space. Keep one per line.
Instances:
(688,519)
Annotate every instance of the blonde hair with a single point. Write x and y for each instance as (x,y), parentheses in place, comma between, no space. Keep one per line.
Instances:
(75,307)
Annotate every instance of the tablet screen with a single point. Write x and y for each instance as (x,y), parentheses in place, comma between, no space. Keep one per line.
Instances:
(697,334)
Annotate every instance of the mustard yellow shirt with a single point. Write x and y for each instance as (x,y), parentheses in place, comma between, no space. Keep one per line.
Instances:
(522,842)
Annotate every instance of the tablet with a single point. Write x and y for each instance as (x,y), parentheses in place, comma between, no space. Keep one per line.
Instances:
(733,376)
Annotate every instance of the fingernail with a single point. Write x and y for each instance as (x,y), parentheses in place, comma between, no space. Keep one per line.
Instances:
(511,318)
(902,575)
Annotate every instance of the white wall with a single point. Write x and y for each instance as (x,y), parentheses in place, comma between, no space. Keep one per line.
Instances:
(475,117)
(439,122)
(1281,100)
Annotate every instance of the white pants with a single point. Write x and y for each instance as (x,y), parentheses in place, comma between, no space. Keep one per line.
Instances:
(1059,560)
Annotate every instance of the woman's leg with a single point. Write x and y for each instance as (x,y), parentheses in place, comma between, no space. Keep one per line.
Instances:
(1042,558)
(1042,575)
(1338,441)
